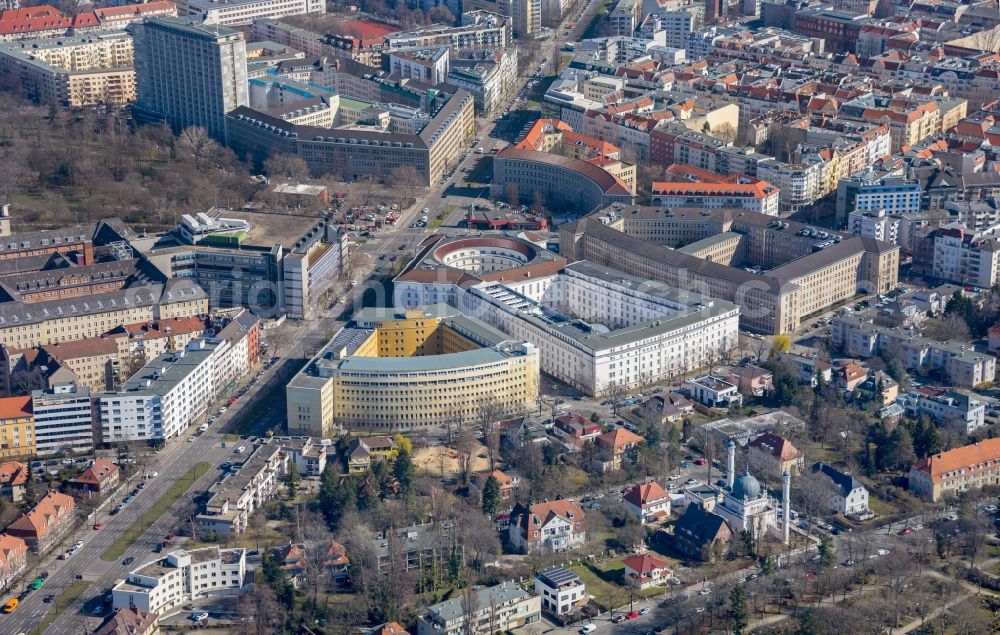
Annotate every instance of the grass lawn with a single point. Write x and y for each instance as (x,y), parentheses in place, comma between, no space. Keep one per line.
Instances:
(611,570)
(62,601)
(441,216)
(603,592)
(160,507)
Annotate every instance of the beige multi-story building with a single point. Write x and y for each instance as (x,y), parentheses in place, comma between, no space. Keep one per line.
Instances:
(479,30)
(410,369)
(784,273)
(241,12)
(525,15)
(430,146)
(969,467)
(17,427)
(73,72)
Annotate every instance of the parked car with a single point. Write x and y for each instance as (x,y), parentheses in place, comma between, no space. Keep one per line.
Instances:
(98,526)
(588,628)
(632,615)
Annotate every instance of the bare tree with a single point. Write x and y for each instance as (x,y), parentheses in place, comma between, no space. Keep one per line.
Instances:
(489,411)
(287,166)
(465,446)
(470,606)
(196,141)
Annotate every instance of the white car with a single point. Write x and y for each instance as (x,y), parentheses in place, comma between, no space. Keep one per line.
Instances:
(883,552)
(588,628)
(705,591)
(199,617)
(241,449)
(644,610)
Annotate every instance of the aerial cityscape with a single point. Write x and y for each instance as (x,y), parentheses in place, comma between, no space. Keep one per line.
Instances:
(484,317)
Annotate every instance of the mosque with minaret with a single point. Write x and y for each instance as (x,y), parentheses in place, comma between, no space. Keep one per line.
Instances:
(744,503)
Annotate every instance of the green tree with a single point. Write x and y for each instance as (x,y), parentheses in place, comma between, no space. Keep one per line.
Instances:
(277,579)
(336,495)
(786,389)
(827,552)
(899,452)
(895,369)
(739,615)
(491,496)
(291,480)
(926,438)
(403,469)
(768,566)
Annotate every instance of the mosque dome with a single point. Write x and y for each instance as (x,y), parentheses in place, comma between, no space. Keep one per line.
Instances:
(746,487)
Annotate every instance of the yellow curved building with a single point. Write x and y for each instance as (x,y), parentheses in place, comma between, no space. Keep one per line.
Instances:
(392,369)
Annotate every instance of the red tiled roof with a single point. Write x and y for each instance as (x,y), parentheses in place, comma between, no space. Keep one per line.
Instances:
(96,474)
(645,564)
(967,456)
(642,494)
(618,438)
(10,547)
(15,407)
(49,512)
(13,473)
(777,446)
(41,18)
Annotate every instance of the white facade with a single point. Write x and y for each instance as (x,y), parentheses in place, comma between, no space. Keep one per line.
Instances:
(164,397)
(63,420)
(595,327)
(181,577)
(966,260)
(677,25)
(240,12)
(560,590)
(875,224)
(951,408)
(800,184)
(713,392)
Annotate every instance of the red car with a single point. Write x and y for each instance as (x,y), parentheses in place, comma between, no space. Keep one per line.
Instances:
(905,531)
(699,462)
(98,526)
(632,615)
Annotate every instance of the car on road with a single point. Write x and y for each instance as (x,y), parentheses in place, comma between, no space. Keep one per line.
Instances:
(631,615)
(705,591)
(98,526)
(117,509)
(48,598)
(11,605)
(699,461)
(644,610)
(241,449)
(192,439)
(690,481)
(618,619)
(127,561)
(905,531)
(199,617)
(588,628)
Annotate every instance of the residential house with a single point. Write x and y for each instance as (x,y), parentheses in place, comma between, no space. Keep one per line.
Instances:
(649,502)
(13,480)
(701,534)
(389,628)
(46,523)
(130,621)
(497,609)
(575,430)
(362,451)
(561,590)
(521,430)
(880,380)
(669,407)
(17,427)
(645,570)
(418,547)
(615,445)
(850,496)
(232,500)
(308,455)
(292,558)
(808,367)
(508,484)
(337,564)
(849,375)
(714,392)
(13,559)
(777,452)
(100,478)
(750,380)
(550,526)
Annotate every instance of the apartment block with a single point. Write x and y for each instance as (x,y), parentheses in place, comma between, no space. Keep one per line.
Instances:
(877,224)
(163,398)
(235,498)
(504,607)
(860,195)
(182,577)
(947,407)
(73,72)
(13,560)
(966,257)
(739,193)
(964,366)
(64,419)
(490,76)
(17,427)
(525,15)
(189,74)
(243,12)
(47,522)
(479,30)
(949,473)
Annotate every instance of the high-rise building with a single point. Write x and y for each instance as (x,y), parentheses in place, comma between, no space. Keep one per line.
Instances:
(189,74)
(63,419)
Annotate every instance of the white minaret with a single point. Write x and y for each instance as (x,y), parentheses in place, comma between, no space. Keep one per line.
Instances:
(786,505)
(731,464)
